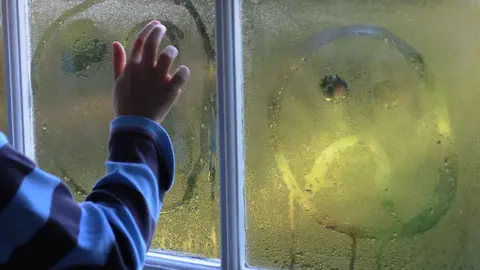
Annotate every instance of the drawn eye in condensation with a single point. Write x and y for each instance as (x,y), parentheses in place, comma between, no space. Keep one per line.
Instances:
(333,87)
(83,45)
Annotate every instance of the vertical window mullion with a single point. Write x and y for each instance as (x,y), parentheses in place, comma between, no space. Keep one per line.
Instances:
(17,75)
(230,125)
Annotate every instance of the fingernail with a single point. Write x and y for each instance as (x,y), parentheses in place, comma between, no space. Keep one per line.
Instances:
(164,29)
(171,51)
(155,22)
(183,71)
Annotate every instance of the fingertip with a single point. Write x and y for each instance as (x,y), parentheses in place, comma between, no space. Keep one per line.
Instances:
(184,71)
(119,58)
(117,46)
(180,77)
(163,27)
(171,51)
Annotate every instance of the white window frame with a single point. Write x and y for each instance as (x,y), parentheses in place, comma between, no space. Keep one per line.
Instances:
(17,75)
(15,18)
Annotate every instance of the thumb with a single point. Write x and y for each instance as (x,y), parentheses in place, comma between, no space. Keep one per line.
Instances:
(119,59)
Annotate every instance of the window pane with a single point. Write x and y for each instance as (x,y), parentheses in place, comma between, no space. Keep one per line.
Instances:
(3,94)
(72,82)
(362,137)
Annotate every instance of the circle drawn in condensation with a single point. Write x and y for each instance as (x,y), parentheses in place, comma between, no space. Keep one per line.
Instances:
(429,214)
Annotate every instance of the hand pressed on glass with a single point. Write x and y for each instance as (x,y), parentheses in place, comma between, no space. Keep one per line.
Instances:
(143,85)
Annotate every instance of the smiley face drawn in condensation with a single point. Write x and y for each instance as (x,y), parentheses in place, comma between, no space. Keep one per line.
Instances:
(383,92)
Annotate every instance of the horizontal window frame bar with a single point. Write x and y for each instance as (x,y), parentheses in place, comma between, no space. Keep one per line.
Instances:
(162,259)
(171,260)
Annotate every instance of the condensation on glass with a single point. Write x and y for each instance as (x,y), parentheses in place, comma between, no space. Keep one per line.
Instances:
(361,134)
(3,94)
(72,81)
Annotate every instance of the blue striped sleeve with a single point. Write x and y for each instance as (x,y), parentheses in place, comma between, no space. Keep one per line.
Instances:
(42,227)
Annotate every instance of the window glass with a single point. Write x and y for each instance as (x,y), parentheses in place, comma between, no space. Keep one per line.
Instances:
(3,94)
(72,83)
(361,134)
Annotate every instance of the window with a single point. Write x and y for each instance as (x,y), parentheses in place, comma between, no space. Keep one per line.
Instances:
(361,140)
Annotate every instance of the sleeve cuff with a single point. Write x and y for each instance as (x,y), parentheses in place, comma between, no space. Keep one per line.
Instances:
(3,139)
(158,133)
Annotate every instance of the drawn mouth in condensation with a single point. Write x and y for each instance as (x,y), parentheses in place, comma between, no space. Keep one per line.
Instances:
(433,210)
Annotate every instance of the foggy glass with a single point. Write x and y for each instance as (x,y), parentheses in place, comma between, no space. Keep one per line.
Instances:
(362,144)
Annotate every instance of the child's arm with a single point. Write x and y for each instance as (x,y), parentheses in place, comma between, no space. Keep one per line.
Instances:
(42,227)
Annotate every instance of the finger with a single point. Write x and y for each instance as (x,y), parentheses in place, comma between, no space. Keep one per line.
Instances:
(165,60)
(137,50)
(119,59)
(179,78)
(151,45)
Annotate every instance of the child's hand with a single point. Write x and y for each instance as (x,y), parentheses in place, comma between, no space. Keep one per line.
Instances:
(143,86)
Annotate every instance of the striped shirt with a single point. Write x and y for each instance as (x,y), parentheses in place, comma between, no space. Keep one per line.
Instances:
(43,227)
